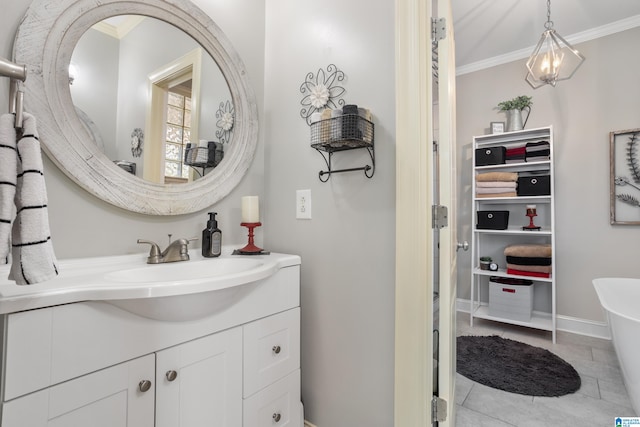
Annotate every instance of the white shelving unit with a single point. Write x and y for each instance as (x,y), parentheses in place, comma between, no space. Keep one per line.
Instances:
(492,242)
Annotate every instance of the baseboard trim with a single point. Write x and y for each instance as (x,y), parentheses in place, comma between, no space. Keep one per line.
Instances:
(308,424)
(570,324)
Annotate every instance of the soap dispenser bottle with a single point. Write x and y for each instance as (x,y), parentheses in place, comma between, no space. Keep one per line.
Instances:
(211,238)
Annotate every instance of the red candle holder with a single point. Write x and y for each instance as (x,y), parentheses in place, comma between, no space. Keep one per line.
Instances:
(251,247)
(531,213)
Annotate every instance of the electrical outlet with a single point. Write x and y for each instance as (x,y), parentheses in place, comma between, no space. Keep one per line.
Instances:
(303,204)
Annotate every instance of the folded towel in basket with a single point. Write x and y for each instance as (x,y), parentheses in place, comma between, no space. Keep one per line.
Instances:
(203,151)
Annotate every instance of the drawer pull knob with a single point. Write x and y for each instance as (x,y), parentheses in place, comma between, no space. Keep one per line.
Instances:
(276,349)
(171,375)
(144,385)
(276,417)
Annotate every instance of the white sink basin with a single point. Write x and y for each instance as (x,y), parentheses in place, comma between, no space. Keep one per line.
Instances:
(177,291)
(185,271)
(208,286)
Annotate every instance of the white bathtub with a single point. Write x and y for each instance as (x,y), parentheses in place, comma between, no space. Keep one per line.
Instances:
(621,300)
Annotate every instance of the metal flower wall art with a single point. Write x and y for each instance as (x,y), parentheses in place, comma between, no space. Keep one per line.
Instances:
(137,142)
(625,189)
(321,91)
(226,117)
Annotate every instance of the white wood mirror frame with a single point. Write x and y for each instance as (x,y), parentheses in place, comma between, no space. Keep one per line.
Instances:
(45,42)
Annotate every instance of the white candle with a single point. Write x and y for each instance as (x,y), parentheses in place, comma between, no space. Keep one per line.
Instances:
(250,209)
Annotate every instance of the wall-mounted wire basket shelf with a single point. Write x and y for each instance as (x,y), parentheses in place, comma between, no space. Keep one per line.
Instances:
(203,157)
(341,133)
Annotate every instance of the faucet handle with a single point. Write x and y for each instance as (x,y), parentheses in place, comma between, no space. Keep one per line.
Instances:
(155,255)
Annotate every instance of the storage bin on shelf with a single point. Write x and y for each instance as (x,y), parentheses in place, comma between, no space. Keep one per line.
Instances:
(534,184)
(488,156)
(492,220)
(511,298)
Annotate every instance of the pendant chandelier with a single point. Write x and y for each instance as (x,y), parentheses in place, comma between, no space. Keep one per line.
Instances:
(553,59)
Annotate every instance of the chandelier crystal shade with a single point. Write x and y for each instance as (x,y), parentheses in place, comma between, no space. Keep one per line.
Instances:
(553,59)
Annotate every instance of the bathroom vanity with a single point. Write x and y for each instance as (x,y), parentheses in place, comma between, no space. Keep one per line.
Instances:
(115,342)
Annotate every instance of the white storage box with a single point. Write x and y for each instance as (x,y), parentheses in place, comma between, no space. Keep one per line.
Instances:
(511,301)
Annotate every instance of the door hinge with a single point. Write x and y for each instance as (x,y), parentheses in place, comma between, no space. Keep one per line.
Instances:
(440,216)
(438,409)
(438,29)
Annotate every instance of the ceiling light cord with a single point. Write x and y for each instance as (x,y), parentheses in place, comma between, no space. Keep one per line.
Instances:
(549,24)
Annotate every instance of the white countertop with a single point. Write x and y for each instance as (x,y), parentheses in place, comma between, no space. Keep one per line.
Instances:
(92,279)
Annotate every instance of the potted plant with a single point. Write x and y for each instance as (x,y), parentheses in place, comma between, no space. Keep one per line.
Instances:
(513,108)
(484,262)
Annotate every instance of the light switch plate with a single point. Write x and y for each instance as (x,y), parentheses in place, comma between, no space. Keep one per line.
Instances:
(303,204)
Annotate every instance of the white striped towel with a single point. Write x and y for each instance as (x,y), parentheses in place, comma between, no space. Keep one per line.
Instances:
(8,173)
(33,259)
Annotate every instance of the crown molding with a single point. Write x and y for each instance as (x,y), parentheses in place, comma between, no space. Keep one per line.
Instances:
(583,36)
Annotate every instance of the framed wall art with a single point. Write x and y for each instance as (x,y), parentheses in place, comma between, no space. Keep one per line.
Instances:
(497,127)
(624,154)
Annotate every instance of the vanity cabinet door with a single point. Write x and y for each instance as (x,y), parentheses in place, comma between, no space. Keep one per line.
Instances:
(112,397)
(199,383)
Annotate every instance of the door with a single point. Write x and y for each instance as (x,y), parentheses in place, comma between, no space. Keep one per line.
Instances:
(113,397)
(199,383)
(415,196)
(446,179)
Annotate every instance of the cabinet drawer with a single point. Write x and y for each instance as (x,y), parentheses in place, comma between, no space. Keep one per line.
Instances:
(277,405)
(271,349)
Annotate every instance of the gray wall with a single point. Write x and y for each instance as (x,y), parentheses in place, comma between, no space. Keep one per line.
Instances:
(601,97)
(348,247)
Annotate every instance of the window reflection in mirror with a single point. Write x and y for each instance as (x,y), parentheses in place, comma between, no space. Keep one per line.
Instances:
(126,68)
(178,133)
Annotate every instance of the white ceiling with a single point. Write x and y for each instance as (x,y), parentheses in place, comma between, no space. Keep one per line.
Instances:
(496,31)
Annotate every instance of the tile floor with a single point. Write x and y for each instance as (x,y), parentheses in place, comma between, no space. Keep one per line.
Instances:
(601,398)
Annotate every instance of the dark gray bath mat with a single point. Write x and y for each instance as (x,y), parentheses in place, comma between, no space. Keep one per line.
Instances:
(514,366)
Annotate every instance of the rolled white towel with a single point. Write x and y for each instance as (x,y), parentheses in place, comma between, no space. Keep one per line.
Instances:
(33,259)
(8,173)
(203,151)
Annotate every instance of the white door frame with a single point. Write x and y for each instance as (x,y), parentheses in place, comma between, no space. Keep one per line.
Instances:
(414,197)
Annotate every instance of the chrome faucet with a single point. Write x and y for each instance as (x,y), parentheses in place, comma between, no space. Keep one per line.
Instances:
(176,251)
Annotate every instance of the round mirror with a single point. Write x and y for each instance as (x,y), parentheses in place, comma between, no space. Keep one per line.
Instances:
(95,142)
